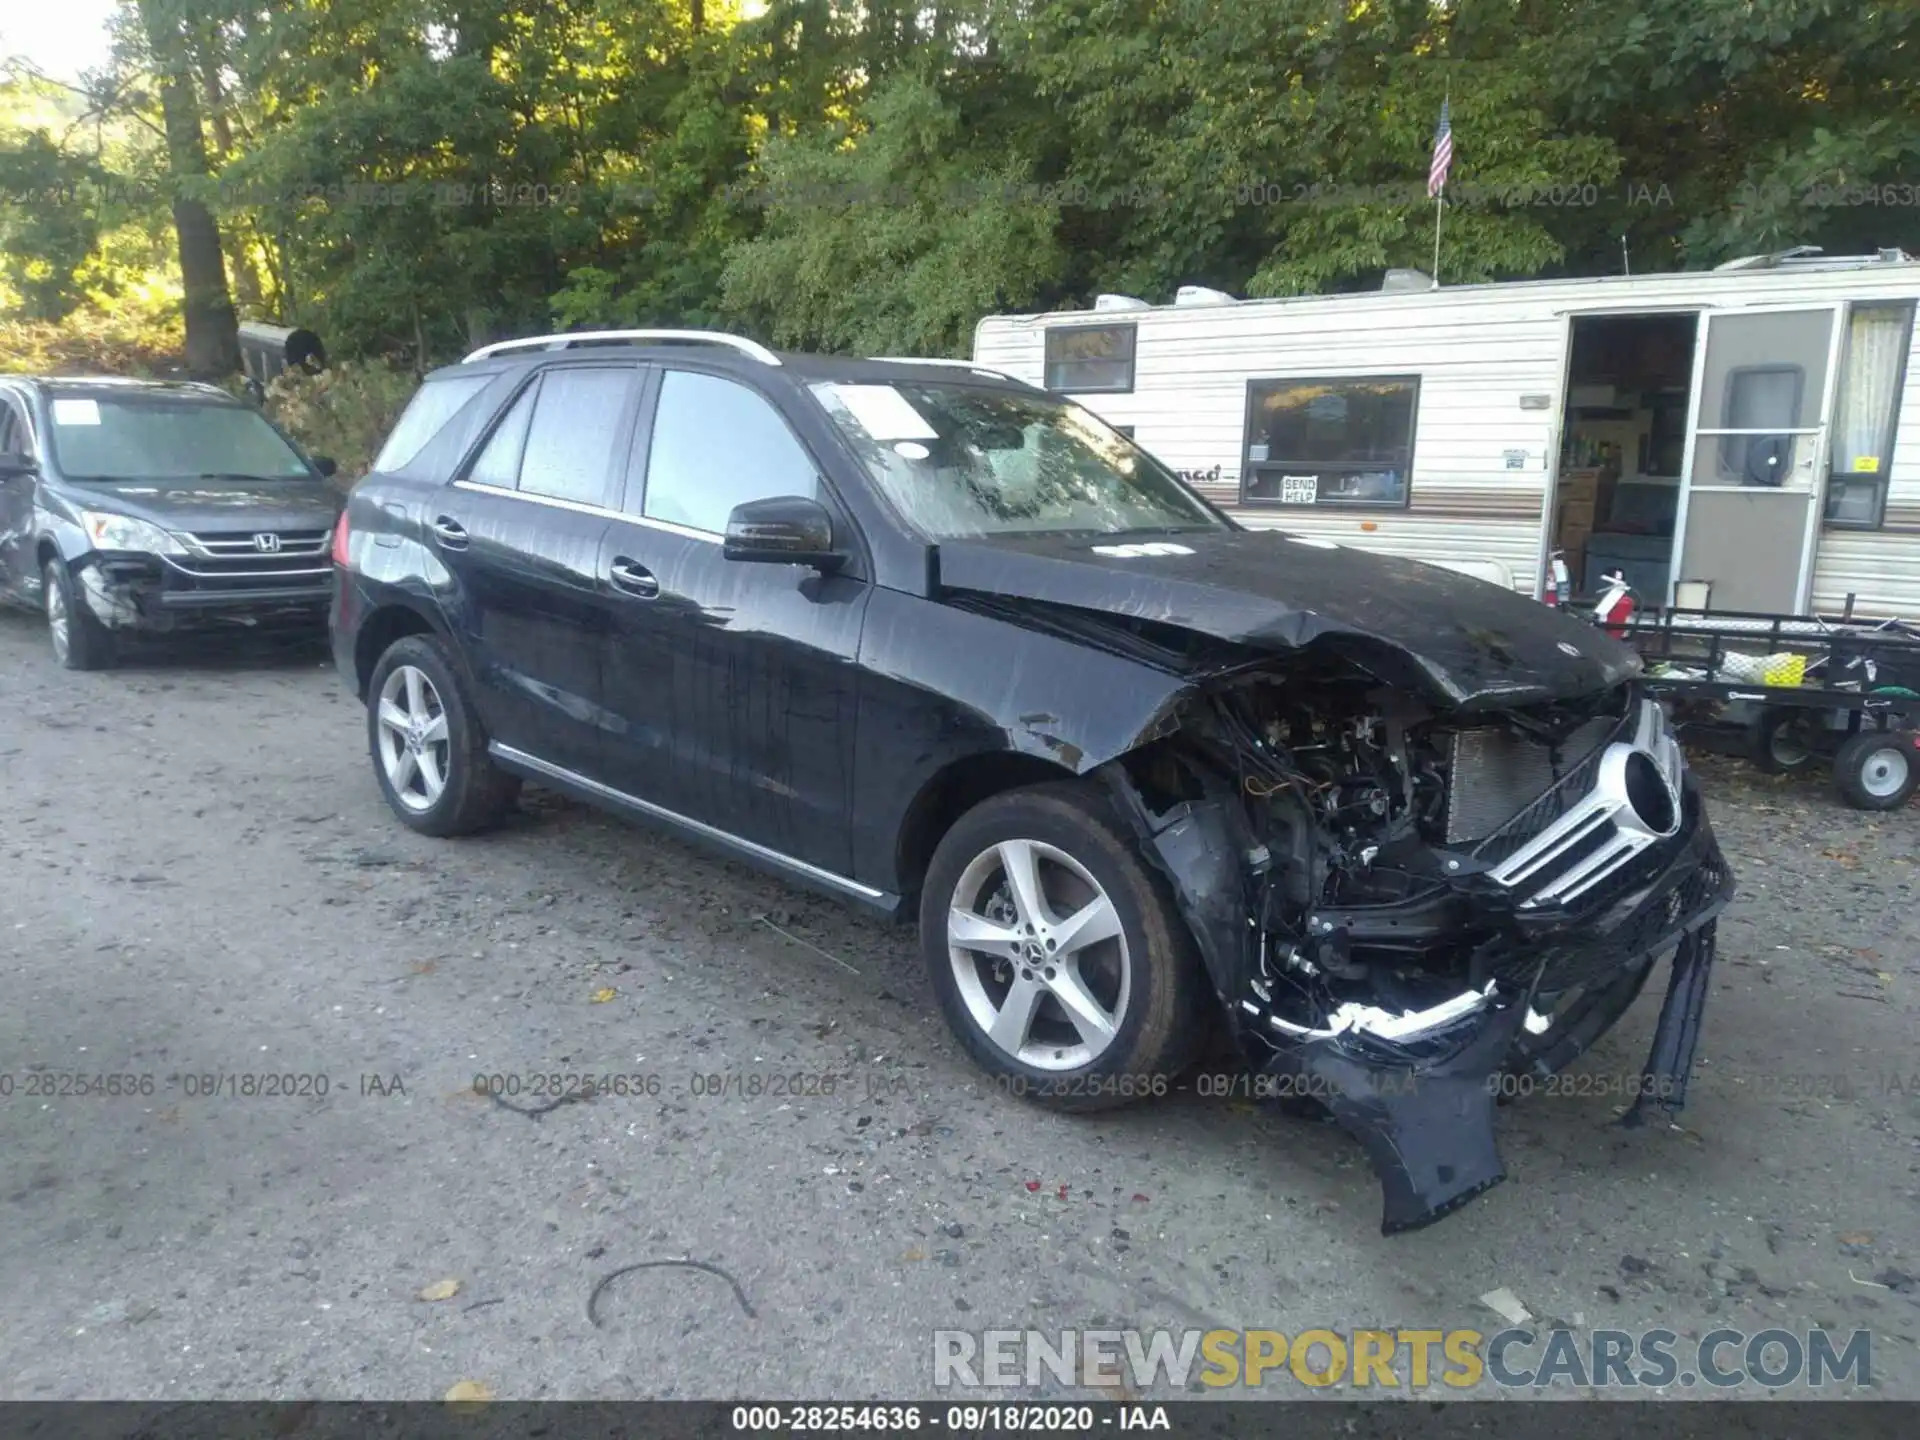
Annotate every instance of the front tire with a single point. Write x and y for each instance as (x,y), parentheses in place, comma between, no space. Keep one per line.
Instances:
(80,642)
(1878,769)
(1057,956)
(429,752)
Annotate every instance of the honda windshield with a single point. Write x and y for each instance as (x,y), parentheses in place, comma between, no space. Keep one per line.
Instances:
(148,437)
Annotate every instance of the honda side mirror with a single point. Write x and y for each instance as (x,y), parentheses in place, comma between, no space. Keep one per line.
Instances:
(16,462)
(782,530)
(326,464)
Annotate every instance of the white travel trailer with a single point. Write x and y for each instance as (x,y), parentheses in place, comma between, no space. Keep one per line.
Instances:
(1746,437)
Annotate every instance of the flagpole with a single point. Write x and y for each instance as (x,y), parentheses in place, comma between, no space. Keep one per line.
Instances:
(1440,199)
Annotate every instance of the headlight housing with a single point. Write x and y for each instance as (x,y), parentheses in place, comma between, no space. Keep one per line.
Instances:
(123,532)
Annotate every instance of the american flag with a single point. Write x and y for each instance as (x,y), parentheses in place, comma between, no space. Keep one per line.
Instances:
(1442,153)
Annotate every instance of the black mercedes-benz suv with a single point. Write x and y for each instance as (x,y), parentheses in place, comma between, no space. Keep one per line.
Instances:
(933,640)
(147,507)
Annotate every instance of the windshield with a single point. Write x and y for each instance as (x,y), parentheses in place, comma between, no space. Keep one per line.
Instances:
(962,461)
(149,438)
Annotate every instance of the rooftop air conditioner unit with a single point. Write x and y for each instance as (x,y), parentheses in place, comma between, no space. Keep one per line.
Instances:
(1119,302)
(1201,295)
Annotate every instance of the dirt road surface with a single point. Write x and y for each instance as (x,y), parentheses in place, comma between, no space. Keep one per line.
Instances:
(199,884)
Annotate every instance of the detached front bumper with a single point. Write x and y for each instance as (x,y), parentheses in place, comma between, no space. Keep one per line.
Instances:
(149,595)
(1419,1090)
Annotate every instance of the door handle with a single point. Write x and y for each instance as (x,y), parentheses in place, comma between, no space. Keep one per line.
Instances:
(633,577)
(451,532)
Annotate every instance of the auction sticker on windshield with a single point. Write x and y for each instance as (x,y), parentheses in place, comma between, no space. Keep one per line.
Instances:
(76,412)
(884,413)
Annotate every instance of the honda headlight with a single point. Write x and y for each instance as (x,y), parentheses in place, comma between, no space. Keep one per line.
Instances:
(123,532)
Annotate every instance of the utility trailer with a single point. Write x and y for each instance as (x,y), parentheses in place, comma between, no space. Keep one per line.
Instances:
(1798,688)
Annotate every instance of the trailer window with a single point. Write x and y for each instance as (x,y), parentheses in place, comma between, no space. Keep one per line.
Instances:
(1084,359)
(1872,373)
(1344,441)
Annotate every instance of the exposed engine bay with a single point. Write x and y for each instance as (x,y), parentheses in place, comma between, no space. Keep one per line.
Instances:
(1398,904)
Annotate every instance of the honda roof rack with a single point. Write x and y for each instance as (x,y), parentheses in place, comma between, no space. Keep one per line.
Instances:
(951,364)
(691,337)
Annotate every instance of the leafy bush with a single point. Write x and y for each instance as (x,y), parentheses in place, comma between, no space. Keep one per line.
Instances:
(130,340)
(345,411)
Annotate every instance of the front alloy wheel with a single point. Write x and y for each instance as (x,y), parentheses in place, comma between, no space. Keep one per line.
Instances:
(59,623)
(79,641)
(1057,954)
(1039,955)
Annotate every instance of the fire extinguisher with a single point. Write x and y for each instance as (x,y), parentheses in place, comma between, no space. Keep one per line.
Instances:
(1616,605)
(1559,580)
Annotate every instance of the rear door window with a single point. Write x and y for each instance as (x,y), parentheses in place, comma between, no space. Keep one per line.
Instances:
(568,454)
(498,463)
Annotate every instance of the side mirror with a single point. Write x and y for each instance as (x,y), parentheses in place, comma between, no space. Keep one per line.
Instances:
(15,462)
(782,530)
(325,464)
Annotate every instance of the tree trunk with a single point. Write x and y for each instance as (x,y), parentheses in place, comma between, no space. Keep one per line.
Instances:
(213,343)
(240,266)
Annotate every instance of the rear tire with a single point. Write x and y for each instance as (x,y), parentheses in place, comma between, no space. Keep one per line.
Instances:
(1784,740)
(429,751)
(1079,984)
(1878,769)
(80,642)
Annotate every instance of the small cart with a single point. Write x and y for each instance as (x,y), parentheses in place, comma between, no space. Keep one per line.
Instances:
(1797,689)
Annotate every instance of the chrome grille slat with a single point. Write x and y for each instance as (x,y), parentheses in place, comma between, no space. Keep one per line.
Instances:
(225,544)
(1600,832)
(1578,826)
(1589,872)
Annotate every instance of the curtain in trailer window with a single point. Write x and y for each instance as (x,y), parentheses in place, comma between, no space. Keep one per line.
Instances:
(1866,412)
(1876,344)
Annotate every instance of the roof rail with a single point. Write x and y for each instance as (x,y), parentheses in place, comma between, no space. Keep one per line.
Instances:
(949,364)
(693,337)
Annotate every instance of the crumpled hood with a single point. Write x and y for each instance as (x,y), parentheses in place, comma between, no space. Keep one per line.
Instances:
(214,505)
(1476,645)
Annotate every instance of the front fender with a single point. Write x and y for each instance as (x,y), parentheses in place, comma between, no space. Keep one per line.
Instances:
(941,684)
(56,525)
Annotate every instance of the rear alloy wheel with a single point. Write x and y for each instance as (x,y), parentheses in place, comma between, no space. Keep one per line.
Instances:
(429,752)
(1057,957)
(80,642)
(1878,769)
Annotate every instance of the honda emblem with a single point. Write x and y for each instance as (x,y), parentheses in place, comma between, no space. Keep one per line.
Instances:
(267,544)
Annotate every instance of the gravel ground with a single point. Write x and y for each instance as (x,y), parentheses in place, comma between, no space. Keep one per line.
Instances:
(198,878)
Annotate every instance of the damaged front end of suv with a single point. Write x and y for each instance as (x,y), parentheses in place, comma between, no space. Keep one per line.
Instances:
(1429,836)
(1401,903)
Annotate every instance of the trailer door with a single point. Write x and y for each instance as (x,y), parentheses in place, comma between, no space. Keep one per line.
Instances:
(1755,449)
